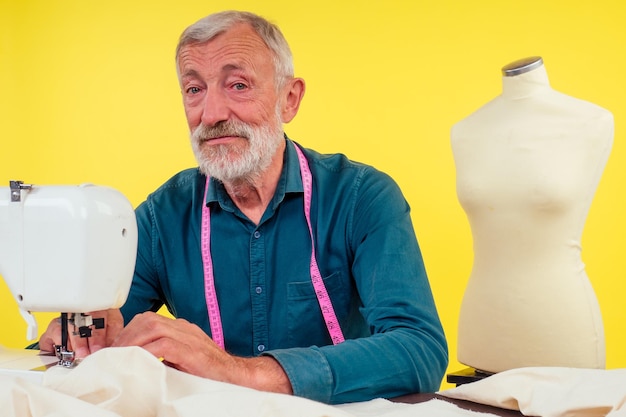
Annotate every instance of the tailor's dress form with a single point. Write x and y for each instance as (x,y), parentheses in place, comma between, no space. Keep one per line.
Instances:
(528,164)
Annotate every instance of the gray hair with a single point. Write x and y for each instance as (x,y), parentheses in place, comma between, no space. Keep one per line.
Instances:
(209,27)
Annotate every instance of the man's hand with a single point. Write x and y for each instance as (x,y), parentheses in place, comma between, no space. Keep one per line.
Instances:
(186,347)
(83,346)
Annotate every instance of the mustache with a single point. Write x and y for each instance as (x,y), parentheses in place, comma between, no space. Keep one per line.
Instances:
(225,128)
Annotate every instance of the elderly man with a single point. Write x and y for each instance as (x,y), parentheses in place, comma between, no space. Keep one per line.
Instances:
(286,270)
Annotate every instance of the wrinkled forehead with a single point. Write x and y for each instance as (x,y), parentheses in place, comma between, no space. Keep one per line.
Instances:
(237,45)
(200,34)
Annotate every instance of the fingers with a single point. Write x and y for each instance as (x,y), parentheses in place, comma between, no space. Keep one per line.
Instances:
(146,327)
(114,326)
(186,347)
(83,346)
(51,337)
(101,338)
(179,343)
(80,345)
(195,355)
(154,333)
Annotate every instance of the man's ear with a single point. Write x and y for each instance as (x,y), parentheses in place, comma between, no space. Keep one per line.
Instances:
(292,96)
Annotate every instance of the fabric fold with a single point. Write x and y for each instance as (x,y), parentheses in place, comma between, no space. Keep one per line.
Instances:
(550,391)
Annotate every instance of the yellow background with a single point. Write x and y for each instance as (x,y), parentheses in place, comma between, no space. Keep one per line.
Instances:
(88,93)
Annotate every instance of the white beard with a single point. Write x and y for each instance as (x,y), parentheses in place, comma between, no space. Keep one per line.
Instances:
(235,163)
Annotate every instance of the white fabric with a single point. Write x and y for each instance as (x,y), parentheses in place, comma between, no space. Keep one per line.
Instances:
(550,391)
(129,382)
(385,408)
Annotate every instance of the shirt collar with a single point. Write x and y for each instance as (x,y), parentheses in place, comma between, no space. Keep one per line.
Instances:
(291,169)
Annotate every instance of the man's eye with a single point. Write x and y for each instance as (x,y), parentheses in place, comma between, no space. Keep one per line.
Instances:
(193,90)
(239,86)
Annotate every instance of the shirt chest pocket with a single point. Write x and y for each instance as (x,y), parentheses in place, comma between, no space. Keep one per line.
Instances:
(304,316)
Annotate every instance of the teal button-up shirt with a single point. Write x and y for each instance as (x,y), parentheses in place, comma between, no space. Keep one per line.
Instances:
(367,254)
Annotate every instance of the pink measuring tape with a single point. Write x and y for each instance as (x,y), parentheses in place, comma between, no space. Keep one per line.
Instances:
(325,303)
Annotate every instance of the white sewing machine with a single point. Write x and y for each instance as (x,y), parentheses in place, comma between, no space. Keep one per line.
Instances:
(67,249)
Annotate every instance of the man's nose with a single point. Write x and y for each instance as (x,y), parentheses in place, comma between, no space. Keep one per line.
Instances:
(215,108)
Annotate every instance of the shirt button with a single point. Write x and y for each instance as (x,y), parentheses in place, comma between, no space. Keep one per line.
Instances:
(258,290)
(260,348)
(257,234)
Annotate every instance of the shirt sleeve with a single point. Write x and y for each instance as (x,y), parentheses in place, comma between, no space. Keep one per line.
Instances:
(406,351)
(144,294)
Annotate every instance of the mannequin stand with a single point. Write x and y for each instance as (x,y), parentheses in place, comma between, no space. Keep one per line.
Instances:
(465,376)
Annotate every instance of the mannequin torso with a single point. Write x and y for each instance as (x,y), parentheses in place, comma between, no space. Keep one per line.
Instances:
(528,164)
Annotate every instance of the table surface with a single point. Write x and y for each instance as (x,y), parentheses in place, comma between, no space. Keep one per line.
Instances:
(467,405)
